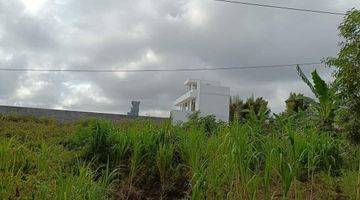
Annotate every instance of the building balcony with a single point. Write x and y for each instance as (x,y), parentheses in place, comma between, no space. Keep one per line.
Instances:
(189,95)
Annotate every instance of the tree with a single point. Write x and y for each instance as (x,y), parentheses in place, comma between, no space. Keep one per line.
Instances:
(325,106)
(296,103)
(236,104)
(241,110)
(347,74)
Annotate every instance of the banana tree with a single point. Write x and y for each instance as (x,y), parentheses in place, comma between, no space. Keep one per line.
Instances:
(325,105)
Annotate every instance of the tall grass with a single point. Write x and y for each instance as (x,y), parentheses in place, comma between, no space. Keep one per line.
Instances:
(164,159)
(80,185)
(96,159)
(12,164)
(35,165)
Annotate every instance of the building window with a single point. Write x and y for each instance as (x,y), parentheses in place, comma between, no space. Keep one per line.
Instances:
(193,105)
(194,86)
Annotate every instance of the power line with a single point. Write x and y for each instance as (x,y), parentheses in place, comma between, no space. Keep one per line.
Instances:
(281,7)
(155,70)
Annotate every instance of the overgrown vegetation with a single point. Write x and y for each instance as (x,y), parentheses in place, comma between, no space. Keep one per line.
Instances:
(299,154)
(347,75)
(35,165)
(97,159)
(324,108)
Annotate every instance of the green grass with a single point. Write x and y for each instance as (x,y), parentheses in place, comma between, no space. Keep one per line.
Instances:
(95,159)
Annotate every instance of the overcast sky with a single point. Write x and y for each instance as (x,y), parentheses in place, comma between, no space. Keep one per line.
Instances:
(158,34)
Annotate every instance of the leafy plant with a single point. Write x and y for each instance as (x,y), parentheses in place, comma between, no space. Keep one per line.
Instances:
(325,106)
(347,74)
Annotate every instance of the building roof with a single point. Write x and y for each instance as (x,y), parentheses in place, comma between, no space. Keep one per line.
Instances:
(190,81)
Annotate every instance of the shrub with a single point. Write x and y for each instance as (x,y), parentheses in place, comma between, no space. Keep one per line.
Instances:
(208,123)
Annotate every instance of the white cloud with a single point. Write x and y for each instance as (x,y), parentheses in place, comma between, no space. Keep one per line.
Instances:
(79,92)
(33,6)
(195,13)
(30,86)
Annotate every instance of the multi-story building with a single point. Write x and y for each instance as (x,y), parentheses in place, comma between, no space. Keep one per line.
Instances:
(205,97)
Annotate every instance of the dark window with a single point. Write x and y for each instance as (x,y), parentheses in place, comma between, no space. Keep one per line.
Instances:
(193,105)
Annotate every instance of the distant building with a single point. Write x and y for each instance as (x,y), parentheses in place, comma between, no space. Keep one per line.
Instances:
(206,97)
(134,110)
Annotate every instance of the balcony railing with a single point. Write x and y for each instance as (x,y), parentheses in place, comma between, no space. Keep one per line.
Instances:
(191,94)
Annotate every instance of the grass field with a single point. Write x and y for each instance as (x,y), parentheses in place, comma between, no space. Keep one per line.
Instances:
(93,159)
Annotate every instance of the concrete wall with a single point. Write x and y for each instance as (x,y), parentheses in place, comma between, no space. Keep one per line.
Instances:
(70,116)
(179,116)
(214,100)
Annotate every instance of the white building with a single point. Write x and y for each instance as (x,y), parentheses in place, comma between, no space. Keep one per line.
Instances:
(207,97)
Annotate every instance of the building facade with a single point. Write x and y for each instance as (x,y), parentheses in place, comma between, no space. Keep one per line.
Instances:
(205,97)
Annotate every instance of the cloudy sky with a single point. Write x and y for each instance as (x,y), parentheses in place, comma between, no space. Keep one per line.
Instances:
(144,34)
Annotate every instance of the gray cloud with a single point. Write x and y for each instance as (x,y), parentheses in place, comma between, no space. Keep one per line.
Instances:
(146,34)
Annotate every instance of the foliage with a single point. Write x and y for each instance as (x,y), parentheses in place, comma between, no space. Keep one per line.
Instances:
(142,159)
(235,106)
(296,103)
(326,106)
(96,139)
(242,111)
(347,74)
(35,165)
(208,123)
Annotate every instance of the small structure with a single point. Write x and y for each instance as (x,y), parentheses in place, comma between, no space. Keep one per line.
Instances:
(205,97)
(134,111)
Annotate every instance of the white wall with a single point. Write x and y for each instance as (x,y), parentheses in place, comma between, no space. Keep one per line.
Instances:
(214,100)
